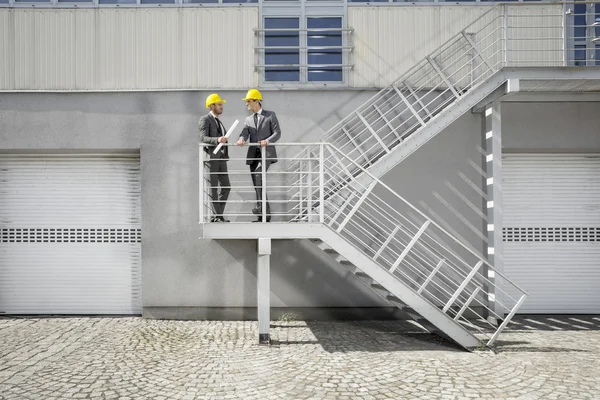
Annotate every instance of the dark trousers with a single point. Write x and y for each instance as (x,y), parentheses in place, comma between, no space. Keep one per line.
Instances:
(256,169)
(219,175)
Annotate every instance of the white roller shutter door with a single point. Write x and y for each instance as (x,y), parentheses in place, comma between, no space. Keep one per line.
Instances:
(70,234)
(552,231)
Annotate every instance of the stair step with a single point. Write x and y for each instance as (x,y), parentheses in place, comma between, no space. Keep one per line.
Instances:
(378,286)
(412,313)
(381,290)
(393,298)
(361,274)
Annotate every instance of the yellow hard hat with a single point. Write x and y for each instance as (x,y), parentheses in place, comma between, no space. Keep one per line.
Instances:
(212,99)
(253,94)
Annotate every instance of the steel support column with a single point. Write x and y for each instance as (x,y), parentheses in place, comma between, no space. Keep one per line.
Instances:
(264,290)
(493,185)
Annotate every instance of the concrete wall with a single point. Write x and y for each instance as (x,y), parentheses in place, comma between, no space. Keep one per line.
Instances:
(436,178)
(431,177)
(178,268)
(189,274)
(551,127)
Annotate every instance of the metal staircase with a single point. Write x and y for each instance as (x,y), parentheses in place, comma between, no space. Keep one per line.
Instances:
(380,289)
(449,82)
(406,257)
(334,196)
(393,247)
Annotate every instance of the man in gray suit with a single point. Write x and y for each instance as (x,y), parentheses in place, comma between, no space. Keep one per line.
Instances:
(261,129)
(212,131)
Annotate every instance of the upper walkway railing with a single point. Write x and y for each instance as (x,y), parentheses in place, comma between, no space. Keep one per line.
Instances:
(508,35)
(308,186)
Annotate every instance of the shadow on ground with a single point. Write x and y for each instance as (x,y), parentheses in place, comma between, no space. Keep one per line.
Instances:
(385,336)
(364,336)
(555,323)
(510,347)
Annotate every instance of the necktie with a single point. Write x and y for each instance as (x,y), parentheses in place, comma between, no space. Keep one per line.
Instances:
(256,120)
(221,129)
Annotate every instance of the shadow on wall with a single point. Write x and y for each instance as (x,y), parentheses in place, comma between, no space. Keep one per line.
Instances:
(377,72)
(303,277)
(304,116)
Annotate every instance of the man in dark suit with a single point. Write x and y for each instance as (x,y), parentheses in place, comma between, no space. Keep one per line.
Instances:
(212,131)
(260,129)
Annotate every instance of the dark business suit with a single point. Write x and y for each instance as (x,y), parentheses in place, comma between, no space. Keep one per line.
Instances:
(211,129)
(267,128)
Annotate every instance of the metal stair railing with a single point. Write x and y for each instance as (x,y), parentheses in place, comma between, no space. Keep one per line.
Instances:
(507,35)
(414,248)
(388,118)
(380,224)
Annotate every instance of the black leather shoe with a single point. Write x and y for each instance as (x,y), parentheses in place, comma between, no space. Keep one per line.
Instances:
(221,219)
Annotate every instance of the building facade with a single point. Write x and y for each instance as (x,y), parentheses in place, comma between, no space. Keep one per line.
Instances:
(99,163)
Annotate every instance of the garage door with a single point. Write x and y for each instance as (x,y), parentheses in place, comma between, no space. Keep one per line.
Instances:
(552,231)
(70,234)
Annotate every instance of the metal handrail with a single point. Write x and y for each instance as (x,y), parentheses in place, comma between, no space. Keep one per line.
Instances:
(486,44)
(432,223)
(332,186)
(326,193)
(416,210)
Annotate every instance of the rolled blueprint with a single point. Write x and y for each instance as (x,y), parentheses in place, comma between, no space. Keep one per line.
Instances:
(229,132)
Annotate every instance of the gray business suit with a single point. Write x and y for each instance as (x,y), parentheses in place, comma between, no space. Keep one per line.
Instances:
(210,132)
(267,129)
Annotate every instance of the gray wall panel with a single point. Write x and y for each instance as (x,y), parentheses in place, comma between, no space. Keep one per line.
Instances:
(180,270)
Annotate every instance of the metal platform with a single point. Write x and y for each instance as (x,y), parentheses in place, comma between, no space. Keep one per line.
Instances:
(259,230)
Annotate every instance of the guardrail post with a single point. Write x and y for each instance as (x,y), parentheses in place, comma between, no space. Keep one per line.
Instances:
(462,286)
(467,304)
(263,162)
(438,69)
(309,190)
(507,320)
(300,186)
(321,183)
(505,14)
(356,206)
(372,131)
(409,246)
(200,184)
(387,242)
(469,39)
(431,275)
(564,35)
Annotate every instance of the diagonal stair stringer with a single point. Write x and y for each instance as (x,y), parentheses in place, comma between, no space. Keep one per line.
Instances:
(409,297)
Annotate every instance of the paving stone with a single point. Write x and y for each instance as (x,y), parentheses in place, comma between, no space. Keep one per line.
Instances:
(134,358)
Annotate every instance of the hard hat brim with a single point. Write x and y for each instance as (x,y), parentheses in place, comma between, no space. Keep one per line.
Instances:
(215,102)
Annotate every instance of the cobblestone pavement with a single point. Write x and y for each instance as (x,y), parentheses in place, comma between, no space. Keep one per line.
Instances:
(131,358)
